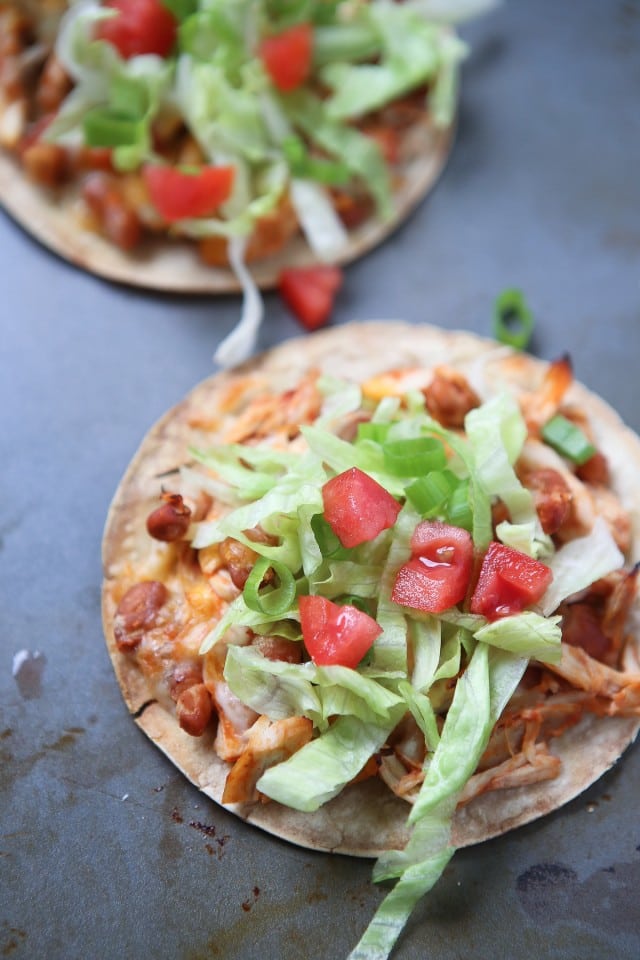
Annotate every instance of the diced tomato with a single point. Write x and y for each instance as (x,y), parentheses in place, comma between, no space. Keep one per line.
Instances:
(357,508)
(438,573)
(336,634)
(178,196)
(509,581)
(310,292)
(140,26)
(287,56)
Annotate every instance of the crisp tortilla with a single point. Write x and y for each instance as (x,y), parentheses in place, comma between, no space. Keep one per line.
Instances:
(365,819)
(56,220)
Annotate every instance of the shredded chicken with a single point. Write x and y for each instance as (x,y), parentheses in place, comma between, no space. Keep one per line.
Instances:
(522,770)
(272,414)
(268,742)
(539,406)
(620,688)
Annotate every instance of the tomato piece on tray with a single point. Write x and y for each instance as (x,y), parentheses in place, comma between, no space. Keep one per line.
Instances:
(438,573)
(310,292)
(179,196)
(509,582)
(139,27)
(335,634)
(357,508)
(287,56)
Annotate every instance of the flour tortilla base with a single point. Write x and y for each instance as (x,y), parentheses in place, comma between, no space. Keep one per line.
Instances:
(366,818)
(174,266)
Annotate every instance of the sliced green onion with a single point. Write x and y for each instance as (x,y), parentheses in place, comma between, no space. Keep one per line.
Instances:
(373,431)
(206,31)
(512,320)
(326,539)
(302,164)
(568,439)
(414,457)
(128,98)
(272,601)
(181,9)
(429,494)
(459,512)
(343,42)
(363,604)
(104,128)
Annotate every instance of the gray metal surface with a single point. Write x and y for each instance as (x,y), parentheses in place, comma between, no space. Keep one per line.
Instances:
(105,851)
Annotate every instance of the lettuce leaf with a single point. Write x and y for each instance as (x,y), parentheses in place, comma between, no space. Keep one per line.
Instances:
(323,767)
(579,563)
(527,634)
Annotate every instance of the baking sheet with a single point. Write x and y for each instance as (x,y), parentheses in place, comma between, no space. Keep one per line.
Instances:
(105,850)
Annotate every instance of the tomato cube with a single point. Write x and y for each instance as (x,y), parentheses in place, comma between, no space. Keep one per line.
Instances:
(287,56)
(139,27)
(181,196)
(438,573)
(509,582)
(335,634)
(309,292)
(357,508)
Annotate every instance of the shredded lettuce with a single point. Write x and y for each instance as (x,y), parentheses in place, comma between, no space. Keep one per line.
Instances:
(320,223)
(216,84)
(581,562)
(411,52)
(323,767)
(453,671)
(527,634)
(496,432)
(480,696)
(272,687)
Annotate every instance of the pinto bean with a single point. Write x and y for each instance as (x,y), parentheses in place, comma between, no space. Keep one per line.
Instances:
(170,521)
(119,223)
(278,648)
(136,613)
(92,158)
(450,397)
(185,674)
(194,709)
(258,535)
(594,470)
(552,497)
(46,163)
(238,559)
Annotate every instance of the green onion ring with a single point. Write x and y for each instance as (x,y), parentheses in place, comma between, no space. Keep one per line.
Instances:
(512,320)
(272,601)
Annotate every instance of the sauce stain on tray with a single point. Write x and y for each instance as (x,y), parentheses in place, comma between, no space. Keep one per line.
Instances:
(553,891)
